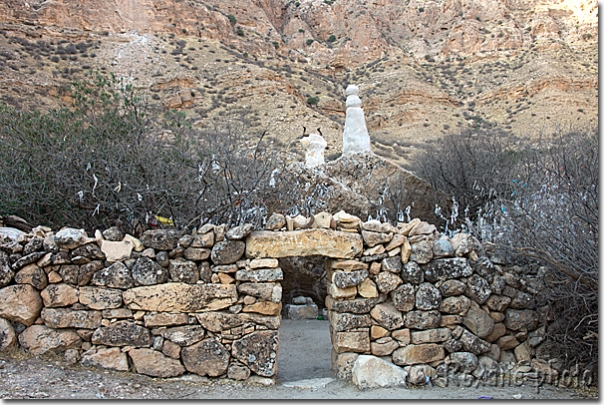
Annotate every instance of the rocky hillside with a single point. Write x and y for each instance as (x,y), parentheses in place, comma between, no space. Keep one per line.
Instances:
(424,68)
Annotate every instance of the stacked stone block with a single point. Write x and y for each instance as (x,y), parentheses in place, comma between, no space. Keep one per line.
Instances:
(430,304)
(164,305)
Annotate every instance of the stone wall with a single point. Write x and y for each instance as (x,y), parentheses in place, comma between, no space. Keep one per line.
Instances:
(209,302)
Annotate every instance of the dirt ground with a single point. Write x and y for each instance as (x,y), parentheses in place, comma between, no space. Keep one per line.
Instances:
(304,373)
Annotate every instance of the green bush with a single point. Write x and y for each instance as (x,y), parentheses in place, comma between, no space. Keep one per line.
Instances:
(276,44)
(232,19)
(312,100)
(332,38)
(309,41)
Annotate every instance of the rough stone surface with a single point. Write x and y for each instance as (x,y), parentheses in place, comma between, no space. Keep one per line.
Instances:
(422,252)
(33,275)
(451,288)
(148,272)
(184,271)
(521,320)
(418,354)
(219,321)
(357,342)
(455,305)
(70,238)
(259,275)
(20,303)
(160,239)
(69,318)
(59,295)
(264,308)
(227,251)
(115,251)
(239,232)
(208,357)
(100,298)
(38,339)
(109,358)
(342,363)
(341,293)
(238,372)
(427,297)
(165,319)
(115,276)
(447,268)
(180,297)
(478,321)
(155,364)
(474,344)
(412,273)
(422,319)
(367,289)
(392,264)
(258,351)
(343,279)
(122,333)
(184,335)
(306,242)
(355,306)
(478,289)
(387,316)
(8,337)
(464,362)
(386,282)
(430,336)
(384,346)
(373,372)
(372,239)
(266,291)
(341,322)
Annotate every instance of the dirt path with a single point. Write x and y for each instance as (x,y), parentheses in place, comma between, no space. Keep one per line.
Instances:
(305,354)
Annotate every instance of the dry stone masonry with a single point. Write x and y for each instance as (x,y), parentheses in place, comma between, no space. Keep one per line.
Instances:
(405,304)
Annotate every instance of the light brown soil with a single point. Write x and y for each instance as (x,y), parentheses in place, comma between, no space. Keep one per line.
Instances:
(304,354)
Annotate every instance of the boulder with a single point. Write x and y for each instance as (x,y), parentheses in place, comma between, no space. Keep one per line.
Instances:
(6,271)
(155,364)
(264,308)
(307,242)
(464,243)
(258,351)
(39,339)
(341,293)
(392,264)
(443,248)
(418,354)
(20,303)
(59,295)
(100,298)
(342,363)
(474,344)
(275,222)
(109,358)
(33,275)
(70,238)
(373,372)
(238,371)
(122,333)
(372,239)
(208,357)
(384,346)
(180,297)
(197,254)
(367,289)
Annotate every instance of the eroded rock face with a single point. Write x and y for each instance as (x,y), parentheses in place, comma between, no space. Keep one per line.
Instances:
(258,351)
(111,358)
(418,354)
